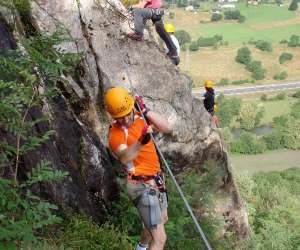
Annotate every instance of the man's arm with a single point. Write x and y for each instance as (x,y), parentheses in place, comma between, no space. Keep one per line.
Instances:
(127,154)
(160,123)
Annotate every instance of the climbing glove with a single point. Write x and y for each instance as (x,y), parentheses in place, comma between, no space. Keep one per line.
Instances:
(145,135)
(140,103)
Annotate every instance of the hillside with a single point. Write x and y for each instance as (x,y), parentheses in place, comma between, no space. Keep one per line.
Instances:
(267,22)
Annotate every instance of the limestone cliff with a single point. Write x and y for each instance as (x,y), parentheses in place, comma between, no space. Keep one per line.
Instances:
(110,59)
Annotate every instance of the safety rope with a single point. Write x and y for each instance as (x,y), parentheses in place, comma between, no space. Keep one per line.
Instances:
(128,16)
(202,235)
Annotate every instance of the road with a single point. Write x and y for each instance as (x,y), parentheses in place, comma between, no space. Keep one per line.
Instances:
(250,89)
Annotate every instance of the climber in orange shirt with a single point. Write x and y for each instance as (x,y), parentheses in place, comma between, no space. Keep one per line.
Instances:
(131,143)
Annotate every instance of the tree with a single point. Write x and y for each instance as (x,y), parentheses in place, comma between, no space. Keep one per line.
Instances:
(242,19)
(294,5)
(183,37)
(194,46)
(280,76)
(182,3)
(216,17)
(264,45)
(232,14)
(228,109)
(264,97)
(248,144)
(294,41)
(285,57)
(273,140)
(243,56)
(297,94)
(247,115)
(296,110)
(207,41)
(23,213)
(291,131)
(257,70)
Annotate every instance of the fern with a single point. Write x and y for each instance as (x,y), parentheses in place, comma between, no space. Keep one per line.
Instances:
(41,62)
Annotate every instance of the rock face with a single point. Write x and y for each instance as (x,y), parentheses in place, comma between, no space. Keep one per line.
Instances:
(111,59)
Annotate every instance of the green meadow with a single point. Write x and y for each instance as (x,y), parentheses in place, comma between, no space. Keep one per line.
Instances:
(266,22)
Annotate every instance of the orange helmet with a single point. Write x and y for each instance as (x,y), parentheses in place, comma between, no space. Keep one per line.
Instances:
(208,84)
(118,102)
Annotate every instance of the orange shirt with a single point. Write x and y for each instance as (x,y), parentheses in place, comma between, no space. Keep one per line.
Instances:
(146,163)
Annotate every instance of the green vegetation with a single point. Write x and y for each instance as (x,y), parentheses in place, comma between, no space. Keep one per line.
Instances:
(250,29)
(209,41)
(216,17)
(258,72)
(255,67)
(200,189)
(225,81)
(273,202)
(294,41)
(194,46)
(280,76)
(234,15)
(23,213)
(282,107)
(294,5)
(297,94)
(273,141)
(285,57)
(183,37)
(248,144)
(243,56)
(250,115)
(228,110)
(263,45)
(264,97)
(79,232)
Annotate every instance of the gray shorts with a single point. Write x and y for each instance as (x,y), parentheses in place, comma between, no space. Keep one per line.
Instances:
(150,203)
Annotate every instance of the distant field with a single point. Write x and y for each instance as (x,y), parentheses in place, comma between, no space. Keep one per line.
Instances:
(276,108)
(274,160)
(266,22)
(217,64)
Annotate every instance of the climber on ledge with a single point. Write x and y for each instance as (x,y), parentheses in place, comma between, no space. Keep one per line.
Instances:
(209,100)
(130,141)
(170,29)
(151,9)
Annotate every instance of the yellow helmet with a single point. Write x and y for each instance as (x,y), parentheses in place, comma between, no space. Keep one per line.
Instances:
(118,102)
(169,28)
(208,84)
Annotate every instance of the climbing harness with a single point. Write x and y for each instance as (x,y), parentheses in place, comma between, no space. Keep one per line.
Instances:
(202,235)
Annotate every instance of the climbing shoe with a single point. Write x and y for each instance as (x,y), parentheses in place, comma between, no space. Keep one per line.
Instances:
(174,58)
(135,36)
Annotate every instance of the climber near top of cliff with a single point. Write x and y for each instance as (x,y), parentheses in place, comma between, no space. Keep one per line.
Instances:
(151,9)
(130,140)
